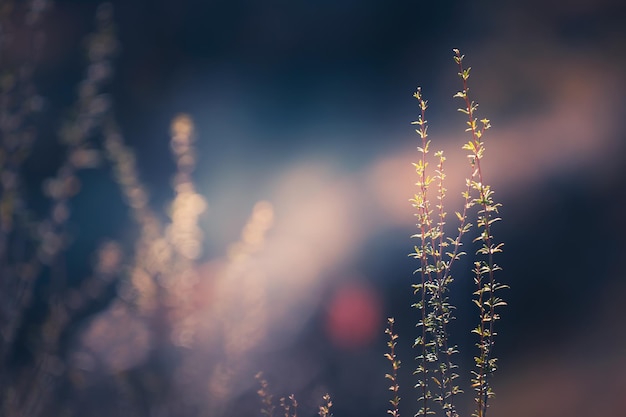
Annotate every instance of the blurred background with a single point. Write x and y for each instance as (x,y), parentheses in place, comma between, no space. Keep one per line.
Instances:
(197,191)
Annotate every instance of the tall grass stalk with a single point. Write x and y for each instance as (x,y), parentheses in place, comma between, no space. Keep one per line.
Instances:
(437,253)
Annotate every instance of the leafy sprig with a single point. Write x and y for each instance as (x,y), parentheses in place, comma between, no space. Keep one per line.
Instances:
(437,252)
(436,368)
(484,268)
(395,366)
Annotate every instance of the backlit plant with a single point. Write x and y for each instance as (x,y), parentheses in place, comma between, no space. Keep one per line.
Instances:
(437,252)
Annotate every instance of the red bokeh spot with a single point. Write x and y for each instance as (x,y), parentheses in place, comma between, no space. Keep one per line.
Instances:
(353,317)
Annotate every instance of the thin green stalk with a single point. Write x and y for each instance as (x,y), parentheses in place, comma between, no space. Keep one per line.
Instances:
(420,202)
(395,366)
(484,270)
(435,358)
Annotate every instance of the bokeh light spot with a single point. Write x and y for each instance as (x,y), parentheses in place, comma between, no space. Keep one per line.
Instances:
(353,316)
